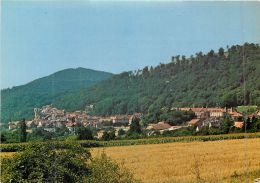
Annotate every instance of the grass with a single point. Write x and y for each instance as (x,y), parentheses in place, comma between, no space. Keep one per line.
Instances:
(213,161)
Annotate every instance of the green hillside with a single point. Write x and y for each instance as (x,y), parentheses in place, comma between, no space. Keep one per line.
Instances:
(18,102)
(219,78)
(213,79)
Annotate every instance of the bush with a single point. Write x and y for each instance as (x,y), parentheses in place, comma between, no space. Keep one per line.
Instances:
(46,163)
(62,162)
(105,170)
(84,133)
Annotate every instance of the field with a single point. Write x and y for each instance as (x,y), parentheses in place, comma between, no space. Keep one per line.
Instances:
(220,158)
(214,161)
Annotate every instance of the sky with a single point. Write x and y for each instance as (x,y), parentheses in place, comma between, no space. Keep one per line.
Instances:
(39,38)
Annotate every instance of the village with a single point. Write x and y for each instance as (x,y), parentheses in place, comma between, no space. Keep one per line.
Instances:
(50,118)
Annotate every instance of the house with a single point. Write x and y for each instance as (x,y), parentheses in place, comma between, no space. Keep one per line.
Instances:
(160,126)
(135,115)
(124,128)
(216,112)
(194,122)
(199,112)
(13,125)
(30,124)
(100,134)
(106,122)
(212,122)
(239,124)
(204,113)
(120,120)
(174,128)
(70,126)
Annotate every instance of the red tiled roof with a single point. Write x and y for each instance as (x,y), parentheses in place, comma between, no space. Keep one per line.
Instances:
(193,121)
(239,124)
(161,126)
(235,114)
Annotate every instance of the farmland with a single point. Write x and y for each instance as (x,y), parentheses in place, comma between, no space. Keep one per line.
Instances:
(218,158)
(215,161)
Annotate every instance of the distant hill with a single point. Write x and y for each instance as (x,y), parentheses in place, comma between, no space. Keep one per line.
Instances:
(18,102)
(220,78)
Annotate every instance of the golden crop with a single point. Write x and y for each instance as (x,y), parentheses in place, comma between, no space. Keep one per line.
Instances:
(212,161)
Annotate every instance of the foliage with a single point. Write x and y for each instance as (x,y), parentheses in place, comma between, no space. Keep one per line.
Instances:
(246,109)
(121,132)
(84,133)
(135,126)
(39,134)
(18,102)
(11,136)
(105,170)
(108,135)
(205,80)
(71,163)
(148,140)
(23,132)
(3,138)
(173,117)
(210,79)
(46,163)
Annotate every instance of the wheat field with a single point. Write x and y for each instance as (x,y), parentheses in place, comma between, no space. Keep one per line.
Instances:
(213,161)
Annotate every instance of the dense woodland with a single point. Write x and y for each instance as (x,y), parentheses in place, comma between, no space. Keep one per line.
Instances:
(219,78)
(226,77)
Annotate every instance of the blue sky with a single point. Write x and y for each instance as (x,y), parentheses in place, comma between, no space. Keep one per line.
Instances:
(40,38)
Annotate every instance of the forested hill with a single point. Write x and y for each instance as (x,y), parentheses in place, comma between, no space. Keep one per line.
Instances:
(18,102)
(219,78)
(228,77)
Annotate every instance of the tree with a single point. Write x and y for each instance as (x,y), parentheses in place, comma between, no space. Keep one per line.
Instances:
(177,58)
(23,133)
(221,52)
(108,135)
(173,58)
(135,126)
(211,53)
(121,132)
(183,58)
(84,133)
(3,138)
(67,163)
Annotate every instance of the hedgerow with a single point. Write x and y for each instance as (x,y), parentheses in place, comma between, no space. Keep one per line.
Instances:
(95,143)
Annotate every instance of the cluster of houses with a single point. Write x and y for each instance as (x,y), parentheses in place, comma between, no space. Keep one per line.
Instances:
(205,117)
(50,118)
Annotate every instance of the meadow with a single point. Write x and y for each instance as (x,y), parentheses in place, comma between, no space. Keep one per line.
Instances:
(212,161)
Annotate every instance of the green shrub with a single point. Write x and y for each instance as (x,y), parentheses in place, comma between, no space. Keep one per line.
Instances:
(61,162)
(105,170)
(46,163)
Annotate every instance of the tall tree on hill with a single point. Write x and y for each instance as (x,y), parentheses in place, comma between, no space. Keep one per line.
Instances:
(211,53)
(23,133)
(221,52)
